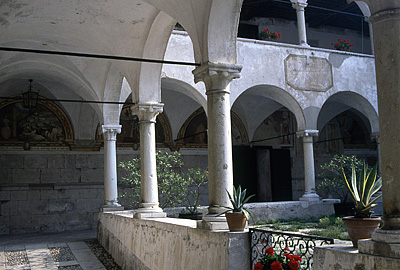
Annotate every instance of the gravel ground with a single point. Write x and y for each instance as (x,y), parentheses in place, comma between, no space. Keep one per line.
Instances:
(102,255)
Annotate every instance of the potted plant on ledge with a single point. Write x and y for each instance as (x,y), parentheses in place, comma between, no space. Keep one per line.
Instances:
(239,215)
(362,225)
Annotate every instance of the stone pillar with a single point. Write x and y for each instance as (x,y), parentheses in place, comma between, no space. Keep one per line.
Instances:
(110,167)
(371,35)
(386,26)
(300,5)
(149,205)
(220,165)
(309,172)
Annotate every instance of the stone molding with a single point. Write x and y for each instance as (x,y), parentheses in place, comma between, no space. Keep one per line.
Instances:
(148,112)
(110,132)
(216,76)
(299,5)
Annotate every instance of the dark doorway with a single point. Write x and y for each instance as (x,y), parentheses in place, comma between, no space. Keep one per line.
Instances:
(264,172)
(281,176)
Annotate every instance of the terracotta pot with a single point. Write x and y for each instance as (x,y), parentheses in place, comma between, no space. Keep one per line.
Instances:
(236,221)
(361,228)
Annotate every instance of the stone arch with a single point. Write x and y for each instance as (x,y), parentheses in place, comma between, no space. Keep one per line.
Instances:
(346,121)
(262,100)
(345,100)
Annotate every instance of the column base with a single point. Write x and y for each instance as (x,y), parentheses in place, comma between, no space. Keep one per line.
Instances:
(371,247)
(309,197)
(213,223)
(149,210)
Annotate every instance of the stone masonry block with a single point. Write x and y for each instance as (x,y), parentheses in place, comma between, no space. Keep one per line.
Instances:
(21,195)
(33,195)
(81,161)
(5,176)
(35,161)
(70,175)
(4,195)
(93,205)
(67,193)
(4,225)
(70,161)
(50,175)
(26,176)
(92,175)
(89,193)
(9,208)
(60,206)
(12,161)
(56,162)
(48,194)
(96,161)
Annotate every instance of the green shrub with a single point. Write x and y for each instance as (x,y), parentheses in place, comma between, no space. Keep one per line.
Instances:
(173,183)
(332,181)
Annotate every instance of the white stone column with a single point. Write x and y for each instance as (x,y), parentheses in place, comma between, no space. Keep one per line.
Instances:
(309,171)
(149,204)
(300,5)
(371,35)
(220,165)
(110,167)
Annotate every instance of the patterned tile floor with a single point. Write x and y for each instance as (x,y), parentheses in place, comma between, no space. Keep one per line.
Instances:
(66,251)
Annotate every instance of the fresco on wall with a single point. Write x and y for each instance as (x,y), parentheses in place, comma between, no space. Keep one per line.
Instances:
(345,131)
(276,130)
(20,125)
(196,130)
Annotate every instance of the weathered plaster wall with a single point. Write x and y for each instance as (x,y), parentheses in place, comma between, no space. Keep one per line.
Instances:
(170,244)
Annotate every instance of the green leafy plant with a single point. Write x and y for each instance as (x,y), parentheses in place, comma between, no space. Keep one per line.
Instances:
(238,199)
(196,178)
(172,185)
(362,189)
(332,183)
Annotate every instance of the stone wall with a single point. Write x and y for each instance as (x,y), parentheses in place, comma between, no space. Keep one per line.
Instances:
(170,244)
(50,191)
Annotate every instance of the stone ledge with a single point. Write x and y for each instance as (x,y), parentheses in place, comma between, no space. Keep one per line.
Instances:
(348,258)
(371,247)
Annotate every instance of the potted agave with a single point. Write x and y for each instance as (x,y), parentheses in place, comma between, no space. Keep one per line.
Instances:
(237,215)
(362,225)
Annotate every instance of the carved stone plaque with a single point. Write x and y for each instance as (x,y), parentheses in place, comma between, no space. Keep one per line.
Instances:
(308,73)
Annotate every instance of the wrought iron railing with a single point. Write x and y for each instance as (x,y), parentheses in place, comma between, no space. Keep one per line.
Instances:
(297,243)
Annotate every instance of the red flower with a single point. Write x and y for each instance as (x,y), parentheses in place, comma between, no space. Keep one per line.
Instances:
(340,39)
(258,266)
(296,258)
(286,249)
(279,35)
(332,43)
(269,251)
(288,256)
(269,34)
(293,265)
(351,45)
(276,265)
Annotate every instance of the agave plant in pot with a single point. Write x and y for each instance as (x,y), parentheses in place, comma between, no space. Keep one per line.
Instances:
(361,189)
(237,215)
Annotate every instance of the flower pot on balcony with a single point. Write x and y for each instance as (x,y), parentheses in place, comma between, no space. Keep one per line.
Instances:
(236,221)
(361,228)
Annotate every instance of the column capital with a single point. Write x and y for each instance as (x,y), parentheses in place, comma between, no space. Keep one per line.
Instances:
(147,112)
(110,132)
(376,136)
(307,133)
(216,76)
(299,4)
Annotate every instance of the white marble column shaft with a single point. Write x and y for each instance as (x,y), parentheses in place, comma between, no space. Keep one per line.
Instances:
(309,171)
(220,165)
(149,204)
(300,6)
(110,165)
